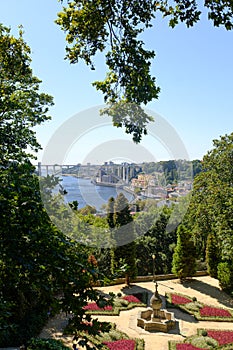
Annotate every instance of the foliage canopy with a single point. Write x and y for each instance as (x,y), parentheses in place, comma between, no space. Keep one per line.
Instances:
(115,27)
(41,270)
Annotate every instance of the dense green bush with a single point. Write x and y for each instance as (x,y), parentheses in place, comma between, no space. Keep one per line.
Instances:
(202,342)
(46,344)
(30,326)
(225,275)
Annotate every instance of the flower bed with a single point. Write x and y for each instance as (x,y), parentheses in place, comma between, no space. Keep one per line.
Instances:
(123,344)
(213,311)
(183,346)
(126,302)
(131,299)
(95,307)
(177,299)
(199,310)
(223,337)
(205,339)
(114,339)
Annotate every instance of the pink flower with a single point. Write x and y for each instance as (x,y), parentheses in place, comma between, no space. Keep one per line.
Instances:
(95,307)
(184,346)
(177,299)
(123,344)
(213,311)
(131,299)
(223,337)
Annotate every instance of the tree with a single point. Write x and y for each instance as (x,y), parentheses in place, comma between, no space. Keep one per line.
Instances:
(110,212)
(184,258)
(211,211)
(123,255)
(158,241)
(212,255)
(225,275)
(22,106)
(115,27)
(41,270)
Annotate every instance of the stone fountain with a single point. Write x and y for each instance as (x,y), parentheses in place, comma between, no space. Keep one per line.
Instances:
(154,318)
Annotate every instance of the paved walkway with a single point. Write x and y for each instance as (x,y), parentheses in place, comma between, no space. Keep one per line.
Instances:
(205,289)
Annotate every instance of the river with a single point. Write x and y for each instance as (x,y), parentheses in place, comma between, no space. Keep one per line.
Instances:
(85,192)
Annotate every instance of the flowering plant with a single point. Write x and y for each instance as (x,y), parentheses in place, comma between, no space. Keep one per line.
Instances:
(183,346)
(223,337)
(123,344)
(214,311)
(131,299)
(178,299)
(95,307)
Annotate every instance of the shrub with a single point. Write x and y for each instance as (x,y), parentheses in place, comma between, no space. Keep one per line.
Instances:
(193,306)
(225,275)
(46,344)
(120,302)
(204,333)
(124,302)
(203,342)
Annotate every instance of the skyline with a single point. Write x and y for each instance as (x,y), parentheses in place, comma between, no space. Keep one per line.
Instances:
(193,67)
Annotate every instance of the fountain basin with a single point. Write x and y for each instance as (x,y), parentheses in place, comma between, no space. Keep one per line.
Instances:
(164,321)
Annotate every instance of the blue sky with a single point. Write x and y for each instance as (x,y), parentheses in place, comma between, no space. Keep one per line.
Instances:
(193,68)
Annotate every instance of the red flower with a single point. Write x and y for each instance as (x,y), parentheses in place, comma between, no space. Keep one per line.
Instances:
(131,299)
(213,311)
(184,346)
(223,337)
(95,307)
(177,299)
(123,344)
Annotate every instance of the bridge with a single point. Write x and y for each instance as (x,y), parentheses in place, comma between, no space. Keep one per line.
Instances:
(52,169)
(123,172)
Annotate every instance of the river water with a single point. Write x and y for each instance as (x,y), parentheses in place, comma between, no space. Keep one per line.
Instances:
(86,193)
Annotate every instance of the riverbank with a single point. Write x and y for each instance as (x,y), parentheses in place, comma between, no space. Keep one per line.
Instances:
(85,192)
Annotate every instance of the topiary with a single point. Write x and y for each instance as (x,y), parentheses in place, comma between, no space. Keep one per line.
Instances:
(202,342)
(124,302)
(192,307)
(204,333)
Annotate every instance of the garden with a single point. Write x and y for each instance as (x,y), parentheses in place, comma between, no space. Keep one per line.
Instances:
(120,303)
(199,310)
(206,339)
